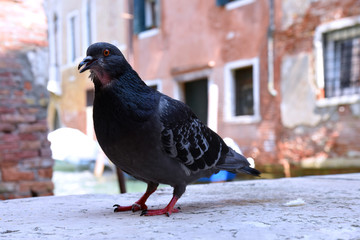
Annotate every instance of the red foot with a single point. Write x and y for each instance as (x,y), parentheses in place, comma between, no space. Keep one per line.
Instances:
(156,212)
(135,207)
(167,210)
(139,204)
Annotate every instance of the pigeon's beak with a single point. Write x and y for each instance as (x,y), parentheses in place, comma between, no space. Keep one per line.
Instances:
(88,61)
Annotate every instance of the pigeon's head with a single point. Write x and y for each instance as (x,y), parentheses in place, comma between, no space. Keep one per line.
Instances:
(105,62)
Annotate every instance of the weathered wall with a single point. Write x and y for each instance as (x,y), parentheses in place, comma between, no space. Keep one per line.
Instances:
(293,127)
(312,134)
(25,156)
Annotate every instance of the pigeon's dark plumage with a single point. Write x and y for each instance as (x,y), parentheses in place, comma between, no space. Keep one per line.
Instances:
(149,135)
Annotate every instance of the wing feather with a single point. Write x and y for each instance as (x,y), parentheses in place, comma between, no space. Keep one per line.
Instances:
(185,138)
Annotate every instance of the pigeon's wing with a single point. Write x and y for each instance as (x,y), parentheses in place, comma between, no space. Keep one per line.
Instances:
(185,138)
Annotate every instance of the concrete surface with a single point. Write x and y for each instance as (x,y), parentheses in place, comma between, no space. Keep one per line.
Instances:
(317,207)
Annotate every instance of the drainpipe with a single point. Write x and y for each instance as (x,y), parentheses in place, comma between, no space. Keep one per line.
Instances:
(270,43)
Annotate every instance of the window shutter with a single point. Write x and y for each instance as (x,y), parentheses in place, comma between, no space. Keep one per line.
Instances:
(139,16)
(221,3)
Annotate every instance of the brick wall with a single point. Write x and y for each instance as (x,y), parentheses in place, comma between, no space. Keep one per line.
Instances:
(25,156)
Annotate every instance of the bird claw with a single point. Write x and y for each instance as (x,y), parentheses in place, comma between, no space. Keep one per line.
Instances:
(116,206)
(135,207)
(119,208)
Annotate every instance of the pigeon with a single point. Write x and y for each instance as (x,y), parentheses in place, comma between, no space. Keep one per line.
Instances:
(149,135)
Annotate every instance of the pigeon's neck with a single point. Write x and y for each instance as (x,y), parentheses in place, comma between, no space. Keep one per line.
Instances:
(128,97)
(101,78)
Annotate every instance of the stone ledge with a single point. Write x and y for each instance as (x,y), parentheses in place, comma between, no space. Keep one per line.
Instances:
(325,207)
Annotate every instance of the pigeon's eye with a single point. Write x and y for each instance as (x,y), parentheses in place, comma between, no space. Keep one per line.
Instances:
(106,52)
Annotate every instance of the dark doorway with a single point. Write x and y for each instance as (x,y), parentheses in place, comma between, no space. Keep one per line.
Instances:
(196,96)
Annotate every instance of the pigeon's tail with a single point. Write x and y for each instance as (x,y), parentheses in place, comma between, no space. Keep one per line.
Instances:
(237,163)
(250,171)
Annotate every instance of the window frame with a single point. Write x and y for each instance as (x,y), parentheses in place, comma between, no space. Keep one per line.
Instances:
(233,4)
(229,91)
(55,52)
(320,31)
(236,4)
(73,39)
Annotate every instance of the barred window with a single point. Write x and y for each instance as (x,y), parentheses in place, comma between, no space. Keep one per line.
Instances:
(342,62)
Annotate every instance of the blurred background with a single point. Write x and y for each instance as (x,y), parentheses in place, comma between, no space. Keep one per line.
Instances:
(280,79)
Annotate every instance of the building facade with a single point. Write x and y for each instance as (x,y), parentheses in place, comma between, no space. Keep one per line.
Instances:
(280,77)
(318,63)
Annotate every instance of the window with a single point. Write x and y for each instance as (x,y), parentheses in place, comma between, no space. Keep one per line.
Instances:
(72,39)
(244,97)
(54,83)
(72,36)
(337,51)
(242,91)
(342,62)
(223,2)
(88,22)
(150,14)
(146,15)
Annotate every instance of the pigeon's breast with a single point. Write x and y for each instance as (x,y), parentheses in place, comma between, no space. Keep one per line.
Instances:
(136,149)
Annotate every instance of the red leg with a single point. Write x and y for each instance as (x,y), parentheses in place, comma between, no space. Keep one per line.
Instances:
(167,210)
(139,204)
